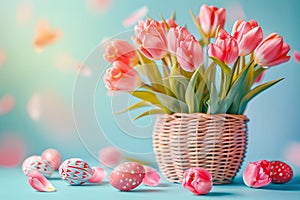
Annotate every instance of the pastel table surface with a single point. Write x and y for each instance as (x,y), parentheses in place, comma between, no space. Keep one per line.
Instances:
(14,186)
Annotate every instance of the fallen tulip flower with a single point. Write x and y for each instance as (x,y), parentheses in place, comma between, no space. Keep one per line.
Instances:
(39,182)
(257,174)
(197,180)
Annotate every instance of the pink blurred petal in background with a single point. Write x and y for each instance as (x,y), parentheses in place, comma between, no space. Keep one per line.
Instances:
(12,150)
(296,56)
(110,156)
(292,153)
(45,35)
(34,107)
(99,6)
(53,112)
(135,16)
(57,114)
(84,70)
(24,12)
(2,57)
(7,103)
(236,12)
(67,63)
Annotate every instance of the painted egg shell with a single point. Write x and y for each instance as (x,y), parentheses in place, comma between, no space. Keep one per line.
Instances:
(53,157)
(127,176)
(75,171)
(38,164)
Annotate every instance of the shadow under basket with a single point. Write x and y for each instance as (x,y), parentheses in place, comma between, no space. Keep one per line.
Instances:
(214,142)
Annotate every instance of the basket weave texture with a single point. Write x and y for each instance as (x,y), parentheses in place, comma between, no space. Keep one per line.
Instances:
(214,142)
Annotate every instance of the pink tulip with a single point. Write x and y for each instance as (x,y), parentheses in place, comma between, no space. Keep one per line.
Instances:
(210,17)
(152,178)
(122,51)
(150,37)
(257,174)
(98,175)
(248,35)
(272,51)
(197,180)
(39,182)
(186,48)
(121,77)
(225,48)
(171,23)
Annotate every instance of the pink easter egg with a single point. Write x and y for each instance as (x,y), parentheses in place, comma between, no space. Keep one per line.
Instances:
(53,157)
(36,163)
(127,176)
(75,171)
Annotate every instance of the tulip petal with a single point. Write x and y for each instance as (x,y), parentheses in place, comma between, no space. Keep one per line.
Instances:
(98,175)
(39,182)
(152,178)
(215,51)
(250,41)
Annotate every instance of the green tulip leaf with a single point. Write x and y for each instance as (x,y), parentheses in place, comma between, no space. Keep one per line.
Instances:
(151,112)
(192,99)
(234,90)
(149,97)
(171,103)
(134,106)
(254,92)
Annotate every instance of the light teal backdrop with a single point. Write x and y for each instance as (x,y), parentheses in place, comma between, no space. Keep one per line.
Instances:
(274,122)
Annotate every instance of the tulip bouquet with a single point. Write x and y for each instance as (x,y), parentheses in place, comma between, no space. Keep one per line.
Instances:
(172,71)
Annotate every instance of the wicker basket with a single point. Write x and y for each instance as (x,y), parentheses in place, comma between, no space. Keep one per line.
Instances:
(214,142)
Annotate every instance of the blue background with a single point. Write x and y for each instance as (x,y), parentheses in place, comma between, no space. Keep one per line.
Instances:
(274,121)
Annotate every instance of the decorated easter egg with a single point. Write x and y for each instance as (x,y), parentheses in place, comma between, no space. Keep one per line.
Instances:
(53,157)
(75,171)
(127,176)
(38,164)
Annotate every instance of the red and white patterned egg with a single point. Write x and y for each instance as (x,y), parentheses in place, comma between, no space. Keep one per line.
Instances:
(38,164)
(75,171)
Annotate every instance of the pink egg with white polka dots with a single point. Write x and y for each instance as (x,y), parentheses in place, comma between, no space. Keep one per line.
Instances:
(127,176)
